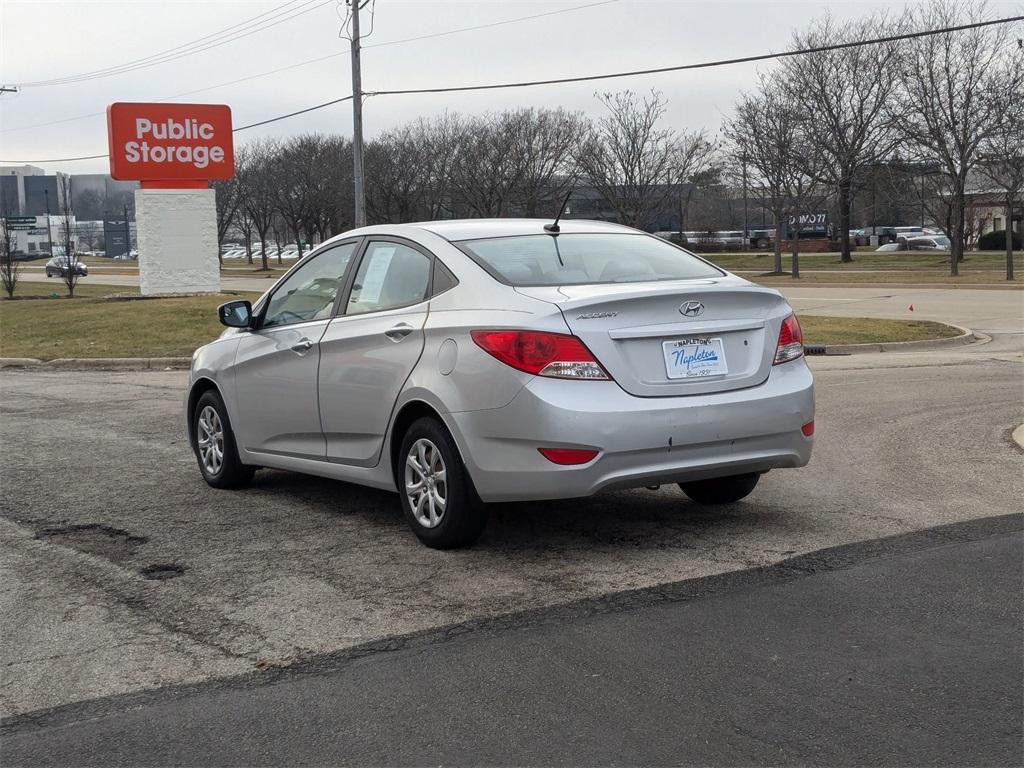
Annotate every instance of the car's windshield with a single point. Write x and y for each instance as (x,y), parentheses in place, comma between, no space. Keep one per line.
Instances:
(574,259)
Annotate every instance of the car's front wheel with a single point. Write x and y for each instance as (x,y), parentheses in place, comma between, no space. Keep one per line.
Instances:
(438,498)
(49,273)
(721,490)
(214,444)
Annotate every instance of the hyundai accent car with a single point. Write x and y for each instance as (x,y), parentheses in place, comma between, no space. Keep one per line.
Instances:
(467,362)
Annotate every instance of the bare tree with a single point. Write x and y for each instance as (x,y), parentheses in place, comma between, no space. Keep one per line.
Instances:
(67,234)
(9,266)
(258,178)
(229,198)
(1003,154)
(951,99)
(487,169)
(632,162)
(764,134)
(545,142)
(398,165)
(846,90)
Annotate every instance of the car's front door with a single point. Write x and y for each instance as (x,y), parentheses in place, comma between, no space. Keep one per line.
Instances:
(369,350)
(276,364)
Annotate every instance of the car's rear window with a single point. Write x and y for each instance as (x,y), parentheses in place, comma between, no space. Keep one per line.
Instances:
(580,259)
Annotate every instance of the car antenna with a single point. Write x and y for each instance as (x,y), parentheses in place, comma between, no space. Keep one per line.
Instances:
(554,228)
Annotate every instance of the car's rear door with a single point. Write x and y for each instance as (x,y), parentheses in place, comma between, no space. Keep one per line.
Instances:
(371,347)
(276,365)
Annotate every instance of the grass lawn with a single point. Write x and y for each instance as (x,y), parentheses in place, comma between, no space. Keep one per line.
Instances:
(865,330)
(91,325)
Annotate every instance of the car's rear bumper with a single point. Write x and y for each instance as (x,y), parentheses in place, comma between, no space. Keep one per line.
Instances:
(642,441)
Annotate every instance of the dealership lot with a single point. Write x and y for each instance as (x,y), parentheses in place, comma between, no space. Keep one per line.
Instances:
(123,571)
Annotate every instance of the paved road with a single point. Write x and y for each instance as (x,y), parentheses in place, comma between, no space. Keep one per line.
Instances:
(101,495)
(897,652)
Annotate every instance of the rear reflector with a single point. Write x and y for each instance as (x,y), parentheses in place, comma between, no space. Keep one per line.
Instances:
(791,341)
(567,455)
(556,355)
(808,429)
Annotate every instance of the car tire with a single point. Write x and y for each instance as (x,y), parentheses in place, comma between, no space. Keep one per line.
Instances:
(721,490)
(444,514)
(763,242)
(49,273)
(211,428)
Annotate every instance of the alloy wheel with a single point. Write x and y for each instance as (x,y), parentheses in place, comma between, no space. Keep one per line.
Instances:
(210,439)
(426,483)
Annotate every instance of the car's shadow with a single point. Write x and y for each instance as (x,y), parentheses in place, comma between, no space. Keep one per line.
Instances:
(639,518)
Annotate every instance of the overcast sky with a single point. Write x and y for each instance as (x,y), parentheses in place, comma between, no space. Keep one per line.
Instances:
(45,39)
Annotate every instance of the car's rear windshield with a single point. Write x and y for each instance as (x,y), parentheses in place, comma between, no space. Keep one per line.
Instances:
(584,259)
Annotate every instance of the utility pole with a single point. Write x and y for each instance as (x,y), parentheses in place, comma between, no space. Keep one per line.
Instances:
(127,236)
(357,121)
(49,231)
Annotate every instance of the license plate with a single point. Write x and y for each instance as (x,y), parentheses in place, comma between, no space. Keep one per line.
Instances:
(694,358)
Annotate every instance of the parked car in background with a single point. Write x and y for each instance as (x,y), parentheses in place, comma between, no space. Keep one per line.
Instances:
(760,238)
(906,233)
(939,243)
(58,266)
(464,362)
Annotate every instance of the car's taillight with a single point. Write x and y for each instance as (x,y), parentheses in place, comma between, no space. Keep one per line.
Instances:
(567,456)
(791,341)
(557,355)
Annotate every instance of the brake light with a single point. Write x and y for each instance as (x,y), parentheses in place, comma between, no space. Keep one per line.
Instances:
(808,429)
(556,355)
(791,341)
(566,456)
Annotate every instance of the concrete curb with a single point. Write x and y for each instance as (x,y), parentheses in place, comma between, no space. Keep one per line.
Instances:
(1018,436)
(99,363)
(966,336)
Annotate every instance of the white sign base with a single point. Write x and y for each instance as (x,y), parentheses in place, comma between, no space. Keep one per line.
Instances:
(177,231)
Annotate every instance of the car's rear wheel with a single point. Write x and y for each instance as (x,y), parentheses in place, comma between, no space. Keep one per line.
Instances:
(438,498)
(721,490)
(214,444)
(49,273)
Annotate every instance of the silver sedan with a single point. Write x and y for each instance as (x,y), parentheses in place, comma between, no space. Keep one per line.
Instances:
(466,362)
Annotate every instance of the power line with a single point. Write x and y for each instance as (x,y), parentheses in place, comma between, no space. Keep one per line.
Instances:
(230,34)
(324,58)
(632,73)
(488,26)
(705,64)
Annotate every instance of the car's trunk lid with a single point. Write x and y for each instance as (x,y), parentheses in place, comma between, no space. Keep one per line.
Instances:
(633,329)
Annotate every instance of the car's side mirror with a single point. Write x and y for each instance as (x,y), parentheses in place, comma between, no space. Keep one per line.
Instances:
(235,314)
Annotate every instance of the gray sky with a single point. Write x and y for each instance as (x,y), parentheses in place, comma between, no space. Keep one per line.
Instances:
(42,39)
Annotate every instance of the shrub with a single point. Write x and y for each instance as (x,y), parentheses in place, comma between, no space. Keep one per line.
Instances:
(996,241)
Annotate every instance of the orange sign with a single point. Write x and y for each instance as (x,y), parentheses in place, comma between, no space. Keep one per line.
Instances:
(170,145)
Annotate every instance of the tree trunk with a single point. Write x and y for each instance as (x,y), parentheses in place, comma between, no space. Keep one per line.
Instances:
(1009,238)
(796,255)
(263,251)
(248,246)
(956,251)
(298,239)
(778,243)
(845,202)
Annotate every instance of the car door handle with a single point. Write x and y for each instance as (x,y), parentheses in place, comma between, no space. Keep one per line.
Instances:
(303,345)
(399,332)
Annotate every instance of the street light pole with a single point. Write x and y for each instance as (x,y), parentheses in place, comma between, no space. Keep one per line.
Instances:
(357,121)
(49,231)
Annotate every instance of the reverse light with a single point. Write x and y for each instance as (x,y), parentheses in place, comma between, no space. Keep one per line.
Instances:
(791,341)
(567,456)
(555,355)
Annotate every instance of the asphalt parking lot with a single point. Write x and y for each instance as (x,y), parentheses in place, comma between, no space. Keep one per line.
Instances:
(123,572)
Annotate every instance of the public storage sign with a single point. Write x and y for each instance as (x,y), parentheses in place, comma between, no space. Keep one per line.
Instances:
(170,144)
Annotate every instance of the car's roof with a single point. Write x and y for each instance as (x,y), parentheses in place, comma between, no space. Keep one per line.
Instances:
(474,229)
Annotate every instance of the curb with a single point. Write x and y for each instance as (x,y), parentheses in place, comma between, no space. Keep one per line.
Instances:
(1018,436)
(99,363)
(966,336)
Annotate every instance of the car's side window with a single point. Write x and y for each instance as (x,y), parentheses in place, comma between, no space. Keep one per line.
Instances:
(309,292)
(391,275)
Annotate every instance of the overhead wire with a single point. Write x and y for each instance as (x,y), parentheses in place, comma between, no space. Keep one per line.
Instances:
(630,73)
